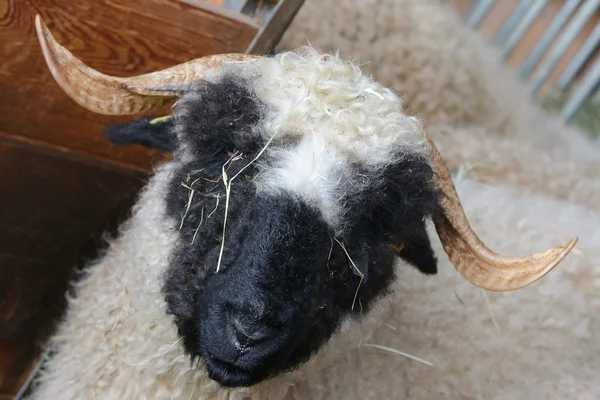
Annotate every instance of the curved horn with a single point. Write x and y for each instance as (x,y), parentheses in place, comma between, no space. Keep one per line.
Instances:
(475,262)
(110,95)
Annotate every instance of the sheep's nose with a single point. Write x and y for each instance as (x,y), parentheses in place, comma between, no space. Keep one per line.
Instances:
(248,331)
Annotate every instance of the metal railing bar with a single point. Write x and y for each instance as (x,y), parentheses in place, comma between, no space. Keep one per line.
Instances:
(585,89)
(512,21)
(579,59)
(530,16)
(478,12)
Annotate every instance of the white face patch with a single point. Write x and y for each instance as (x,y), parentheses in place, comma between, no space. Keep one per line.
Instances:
(326,118)
(310,170)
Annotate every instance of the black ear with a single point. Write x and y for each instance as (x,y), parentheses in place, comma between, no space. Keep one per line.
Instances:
(149,132)
(404,200)
(416,249)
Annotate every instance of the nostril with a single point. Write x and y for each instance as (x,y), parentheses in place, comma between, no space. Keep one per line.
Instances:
(248,332)
(239,331)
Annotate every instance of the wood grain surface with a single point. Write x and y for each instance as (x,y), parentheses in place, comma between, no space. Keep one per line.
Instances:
(116,37)
(53,210)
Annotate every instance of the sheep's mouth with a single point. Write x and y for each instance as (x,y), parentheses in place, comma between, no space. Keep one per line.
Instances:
(231,375)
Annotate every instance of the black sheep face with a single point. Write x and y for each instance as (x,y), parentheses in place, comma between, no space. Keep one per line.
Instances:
(306,235)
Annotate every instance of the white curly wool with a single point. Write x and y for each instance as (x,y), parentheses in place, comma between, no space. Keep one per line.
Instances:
(323,117)
(324,95)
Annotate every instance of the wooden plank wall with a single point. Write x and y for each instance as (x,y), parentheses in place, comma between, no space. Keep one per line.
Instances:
(62,183)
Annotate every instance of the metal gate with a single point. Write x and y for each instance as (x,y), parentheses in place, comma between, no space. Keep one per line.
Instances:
(578,83)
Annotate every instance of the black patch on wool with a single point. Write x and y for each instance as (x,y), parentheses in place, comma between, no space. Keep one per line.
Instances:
(214,121)
(160,135)
(217,118)
(270,307)
(390,212)
(285,283)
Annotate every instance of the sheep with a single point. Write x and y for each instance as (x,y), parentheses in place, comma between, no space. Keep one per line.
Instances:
(220,286)
(452,78)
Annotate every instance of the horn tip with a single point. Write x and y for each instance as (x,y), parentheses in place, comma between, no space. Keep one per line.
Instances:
(44,37)
(558,255)
(40,27)
(569,246)
(566,249)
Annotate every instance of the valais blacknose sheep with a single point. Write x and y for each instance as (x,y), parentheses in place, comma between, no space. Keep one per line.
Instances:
(297,184)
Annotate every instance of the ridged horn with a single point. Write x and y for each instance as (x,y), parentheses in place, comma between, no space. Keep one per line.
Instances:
(475,262)
(110,95)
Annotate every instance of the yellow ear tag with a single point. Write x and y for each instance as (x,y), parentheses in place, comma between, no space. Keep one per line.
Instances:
(160,119)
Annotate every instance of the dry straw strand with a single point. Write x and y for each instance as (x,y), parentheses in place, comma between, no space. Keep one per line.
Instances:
(362,276)
(395,351)
(227,182)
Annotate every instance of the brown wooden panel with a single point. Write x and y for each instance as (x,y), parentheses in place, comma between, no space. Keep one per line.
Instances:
(117,37)
(54,208)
